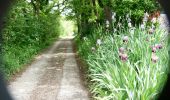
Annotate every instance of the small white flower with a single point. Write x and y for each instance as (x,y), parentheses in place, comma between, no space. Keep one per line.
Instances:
(107,26)
(129,25)
(84,38)
(114,30)
(131,94)
(119,24)
(113,16)
(145,19)
(93,49)
(127,15)
(146,15)
(99,42)
(129,20)
(142,26)
(107,22)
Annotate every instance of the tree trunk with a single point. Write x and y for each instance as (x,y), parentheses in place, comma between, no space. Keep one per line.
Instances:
(95,10)
(108,16)
(36,6)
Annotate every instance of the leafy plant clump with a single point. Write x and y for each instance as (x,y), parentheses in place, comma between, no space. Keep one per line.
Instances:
(130,66)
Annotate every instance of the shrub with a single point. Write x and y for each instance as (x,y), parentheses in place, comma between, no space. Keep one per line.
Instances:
(25,35)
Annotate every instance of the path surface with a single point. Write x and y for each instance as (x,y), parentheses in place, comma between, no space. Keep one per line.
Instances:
(54,75)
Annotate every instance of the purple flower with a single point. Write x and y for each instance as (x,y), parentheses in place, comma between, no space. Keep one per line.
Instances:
(123,57)
(158,46)
(154,58)
(153,49)
(121,49)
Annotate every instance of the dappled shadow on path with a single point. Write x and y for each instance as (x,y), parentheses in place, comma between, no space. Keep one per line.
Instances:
(53,75)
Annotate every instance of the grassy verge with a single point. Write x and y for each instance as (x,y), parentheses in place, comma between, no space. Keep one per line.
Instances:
(16,57)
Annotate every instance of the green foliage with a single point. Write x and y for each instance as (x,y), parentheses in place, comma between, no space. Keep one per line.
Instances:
(26,34)
(135,75)
(136,8)
(137,78)
(92,13)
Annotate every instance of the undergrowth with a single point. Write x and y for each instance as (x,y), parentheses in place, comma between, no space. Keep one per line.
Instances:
(26,34)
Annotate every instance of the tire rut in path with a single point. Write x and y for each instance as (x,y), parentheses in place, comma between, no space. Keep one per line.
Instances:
(53,76)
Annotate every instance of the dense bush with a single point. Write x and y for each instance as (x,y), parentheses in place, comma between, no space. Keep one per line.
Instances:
(132,65)
(136,8)
(25,34)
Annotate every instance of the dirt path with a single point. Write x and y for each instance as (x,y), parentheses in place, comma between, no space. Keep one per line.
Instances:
(53,76)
